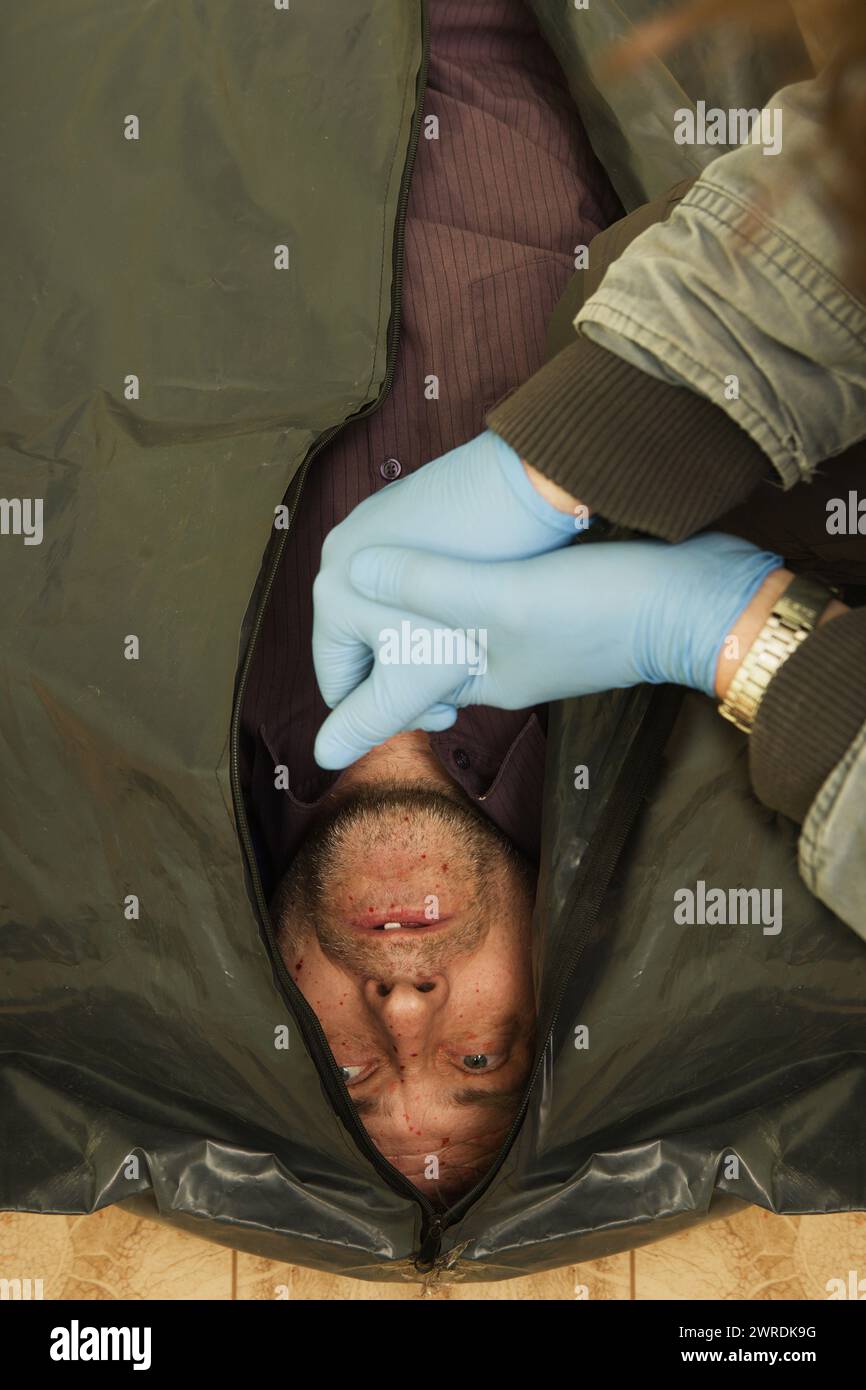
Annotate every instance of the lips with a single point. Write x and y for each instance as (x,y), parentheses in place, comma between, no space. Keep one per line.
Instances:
(396,924)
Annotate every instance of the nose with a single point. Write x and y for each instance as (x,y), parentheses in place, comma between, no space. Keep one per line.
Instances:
(406,1006)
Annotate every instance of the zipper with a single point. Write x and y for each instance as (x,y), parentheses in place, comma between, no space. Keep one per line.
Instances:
(431,1244)
(587,895)
(607,844)
(308,1024)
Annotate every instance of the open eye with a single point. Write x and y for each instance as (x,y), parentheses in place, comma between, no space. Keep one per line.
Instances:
(482,1061)
(350,1074)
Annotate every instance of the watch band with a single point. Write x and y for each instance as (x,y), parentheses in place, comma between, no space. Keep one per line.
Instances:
(793,616)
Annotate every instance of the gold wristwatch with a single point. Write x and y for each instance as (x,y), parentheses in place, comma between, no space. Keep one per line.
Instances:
(794,615)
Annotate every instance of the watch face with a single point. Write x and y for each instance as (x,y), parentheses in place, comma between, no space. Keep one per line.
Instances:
(795,614)
(802,603)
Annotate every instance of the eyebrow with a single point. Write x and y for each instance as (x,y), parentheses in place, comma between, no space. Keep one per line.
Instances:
(467,1095)
(504,1099)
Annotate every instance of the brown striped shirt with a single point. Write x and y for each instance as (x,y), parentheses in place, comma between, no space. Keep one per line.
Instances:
(497,204)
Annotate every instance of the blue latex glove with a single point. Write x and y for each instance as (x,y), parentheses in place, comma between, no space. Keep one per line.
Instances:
(593,617)
(475,502)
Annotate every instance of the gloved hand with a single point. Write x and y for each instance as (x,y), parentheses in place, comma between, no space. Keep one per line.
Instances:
(475,502)
(593,617)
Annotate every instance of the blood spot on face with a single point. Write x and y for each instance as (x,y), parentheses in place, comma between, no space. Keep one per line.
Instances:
(299,963)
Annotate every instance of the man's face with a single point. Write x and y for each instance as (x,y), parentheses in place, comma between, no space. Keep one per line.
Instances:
(431,1019)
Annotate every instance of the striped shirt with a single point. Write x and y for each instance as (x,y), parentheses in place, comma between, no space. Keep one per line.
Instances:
(497,204)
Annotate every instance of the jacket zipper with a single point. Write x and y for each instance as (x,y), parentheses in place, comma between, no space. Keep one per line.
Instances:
(309,1025)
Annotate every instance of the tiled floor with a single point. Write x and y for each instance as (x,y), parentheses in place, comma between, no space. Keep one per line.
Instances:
(112,1255)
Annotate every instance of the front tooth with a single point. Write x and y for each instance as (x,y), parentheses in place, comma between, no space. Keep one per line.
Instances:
(392,926)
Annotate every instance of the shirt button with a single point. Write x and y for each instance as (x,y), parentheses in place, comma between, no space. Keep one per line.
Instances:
(461,758)
(390,469)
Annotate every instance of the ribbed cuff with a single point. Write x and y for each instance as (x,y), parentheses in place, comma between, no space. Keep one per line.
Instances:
(638,451)
(812,710)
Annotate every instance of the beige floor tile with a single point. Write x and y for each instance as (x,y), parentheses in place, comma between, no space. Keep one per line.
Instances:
(262,1279)
(754,1255)
(831,1247)
(112,1255)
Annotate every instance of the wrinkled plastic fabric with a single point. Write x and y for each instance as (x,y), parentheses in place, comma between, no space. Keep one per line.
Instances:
(138,1053)
(706,1044)
(631,122)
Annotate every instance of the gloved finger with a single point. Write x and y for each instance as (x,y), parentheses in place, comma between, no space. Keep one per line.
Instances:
(436,719)
(345,643)
(389,701)
(453,592)
(341,662)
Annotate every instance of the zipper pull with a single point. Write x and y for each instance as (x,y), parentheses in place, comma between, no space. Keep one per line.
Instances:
(430,1247)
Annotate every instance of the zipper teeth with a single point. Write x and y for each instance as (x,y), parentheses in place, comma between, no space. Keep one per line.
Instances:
(304,1015)
(632,786)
